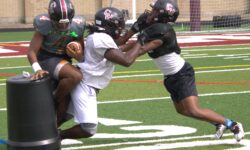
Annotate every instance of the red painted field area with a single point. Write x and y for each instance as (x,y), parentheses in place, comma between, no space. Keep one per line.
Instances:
(20,48)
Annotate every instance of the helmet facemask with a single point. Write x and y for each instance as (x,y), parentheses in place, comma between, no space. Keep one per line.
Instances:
(61,25)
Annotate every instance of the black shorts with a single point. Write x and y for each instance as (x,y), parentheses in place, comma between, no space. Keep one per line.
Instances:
(182,84)
(49,61)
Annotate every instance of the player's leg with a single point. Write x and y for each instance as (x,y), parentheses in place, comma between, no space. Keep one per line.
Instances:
(83,130)
(83,107)
(189,107)
(68,76)
(183,91)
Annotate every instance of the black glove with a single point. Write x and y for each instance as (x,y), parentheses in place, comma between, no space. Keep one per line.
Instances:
(155,31)
(143,38)
(141,23)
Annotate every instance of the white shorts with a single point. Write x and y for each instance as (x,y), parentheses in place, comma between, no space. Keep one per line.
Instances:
(83,104)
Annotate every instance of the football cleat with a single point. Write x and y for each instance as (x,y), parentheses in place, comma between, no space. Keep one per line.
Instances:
(220,128)
(238,131)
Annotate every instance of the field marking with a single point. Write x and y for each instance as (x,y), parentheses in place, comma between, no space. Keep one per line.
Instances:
(196,72)
(160,81)
(161,98)
(159,74)
(162,146)
(17,67)
(158,98)
(147,141)
(195,68)
(214,49)
(3,109)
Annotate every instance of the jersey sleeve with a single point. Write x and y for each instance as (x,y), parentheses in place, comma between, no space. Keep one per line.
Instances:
(79,25)
(103,42)
(42,24)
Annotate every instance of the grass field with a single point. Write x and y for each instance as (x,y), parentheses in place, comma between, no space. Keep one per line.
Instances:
(136,112)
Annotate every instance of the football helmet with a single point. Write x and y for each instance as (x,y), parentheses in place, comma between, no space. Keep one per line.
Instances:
(61,13)
(164,11)
(111,21)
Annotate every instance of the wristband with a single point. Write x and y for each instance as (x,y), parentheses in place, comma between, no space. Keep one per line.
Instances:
(36,66)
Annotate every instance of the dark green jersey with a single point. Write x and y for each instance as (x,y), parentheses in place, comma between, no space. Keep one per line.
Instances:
(56,41)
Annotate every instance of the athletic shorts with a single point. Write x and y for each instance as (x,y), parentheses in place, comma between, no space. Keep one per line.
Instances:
(83,104)
(182,84)
(52,63)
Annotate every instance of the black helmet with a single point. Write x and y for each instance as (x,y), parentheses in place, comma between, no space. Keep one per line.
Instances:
(168,10)
(111,21)
(61,13)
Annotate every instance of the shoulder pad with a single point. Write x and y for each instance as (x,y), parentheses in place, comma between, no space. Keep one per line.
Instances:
(78,25)
(42,24)
(158,30)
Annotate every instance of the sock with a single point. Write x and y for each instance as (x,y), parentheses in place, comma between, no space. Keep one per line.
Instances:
(228,123)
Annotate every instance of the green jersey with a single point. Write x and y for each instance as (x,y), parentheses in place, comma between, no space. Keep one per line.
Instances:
(55,41)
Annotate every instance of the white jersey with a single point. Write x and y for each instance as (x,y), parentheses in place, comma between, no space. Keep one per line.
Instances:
(97,70)
(169,64)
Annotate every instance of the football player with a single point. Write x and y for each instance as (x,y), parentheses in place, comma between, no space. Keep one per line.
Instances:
(179,77)
(160,13)
(101,55)
(47,54)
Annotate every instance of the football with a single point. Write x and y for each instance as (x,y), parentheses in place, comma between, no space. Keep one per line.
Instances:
(74,50)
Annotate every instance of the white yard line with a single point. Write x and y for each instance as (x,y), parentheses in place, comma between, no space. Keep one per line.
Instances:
(146,142)
(160,98)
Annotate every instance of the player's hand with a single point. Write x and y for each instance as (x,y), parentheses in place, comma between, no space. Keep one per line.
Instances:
(74,50)
(39,74)
(141,23)
(143,38)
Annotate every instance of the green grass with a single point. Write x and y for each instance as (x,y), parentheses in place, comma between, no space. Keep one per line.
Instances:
(114,101)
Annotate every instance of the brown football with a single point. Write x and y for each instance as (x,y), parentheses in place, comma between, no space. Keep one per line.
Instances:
(73,49)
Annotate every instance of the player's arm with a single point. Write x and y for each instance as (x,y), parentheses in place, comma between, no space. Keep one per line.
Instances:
(150,46)
(123,39)
(34,48)
(121,58)
(128,46)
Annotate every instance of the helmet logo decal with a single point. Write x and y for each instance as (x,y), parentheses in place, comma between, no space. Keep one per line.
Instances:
(52,6)
(170,9)
(108,14)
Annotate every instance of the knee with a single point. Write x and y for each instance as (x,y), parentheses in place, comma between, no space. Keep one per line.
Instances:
(189,112)
(77,77)
(182,112)
(89,129)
